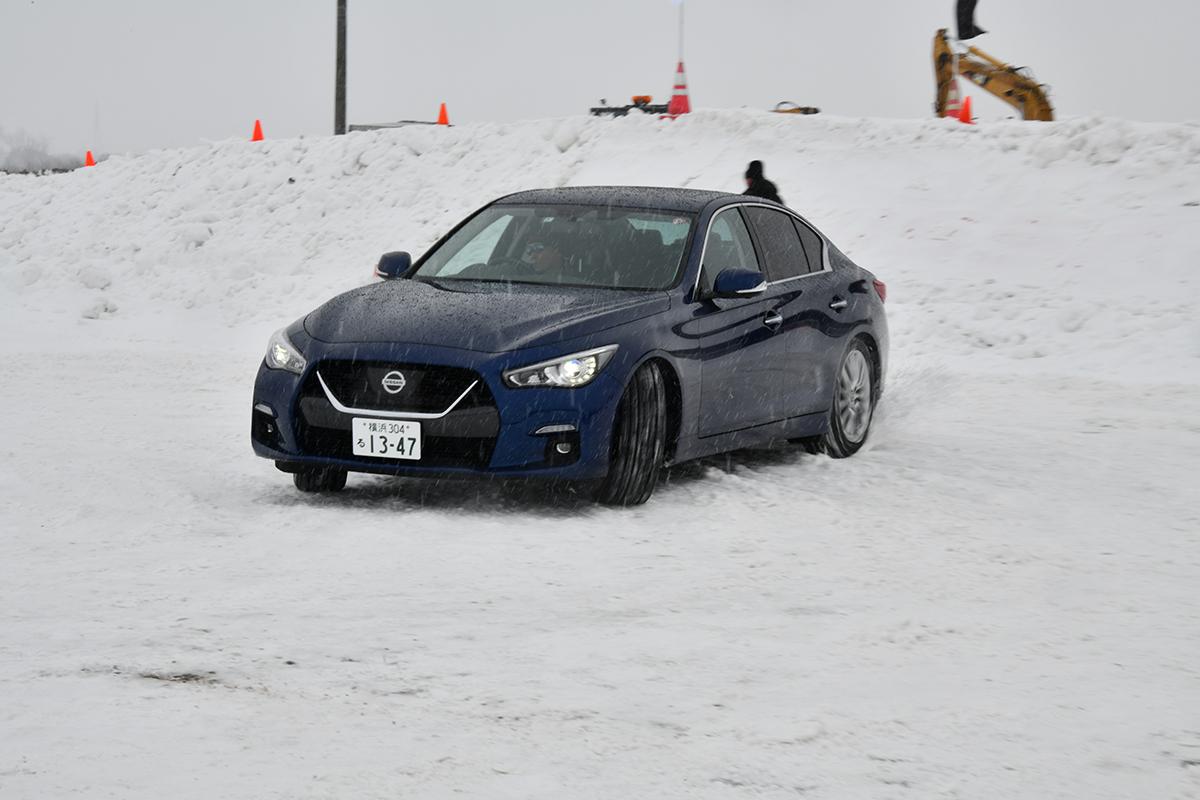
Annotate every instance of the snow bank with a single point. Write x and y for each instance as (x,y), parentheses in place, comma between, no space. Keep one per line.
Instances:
(1027,241)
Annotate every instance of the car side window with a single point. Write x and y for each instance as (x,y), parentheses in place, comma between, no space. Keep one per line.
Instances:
(814,246)
(780,242)
(728,245)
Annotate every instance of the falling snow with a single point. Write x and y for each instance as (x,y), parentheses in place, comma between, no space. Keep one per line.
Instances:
(996,598)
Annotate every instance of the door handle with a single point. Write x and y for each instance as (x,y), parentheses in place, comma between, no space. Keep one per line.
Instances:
(838,304)
(773,320)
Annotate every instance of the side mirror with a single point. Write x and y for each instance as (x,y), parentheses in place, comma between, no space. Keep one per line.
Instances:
(738,284)
(393,265)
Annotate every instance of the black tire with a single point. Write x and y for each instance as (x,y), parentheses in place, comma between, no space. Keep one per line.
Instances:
(320,479)
(852,407)
(639,441)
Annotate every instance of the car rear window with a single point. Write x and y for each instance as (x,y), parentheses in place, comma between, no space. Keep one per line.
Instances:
(814,246)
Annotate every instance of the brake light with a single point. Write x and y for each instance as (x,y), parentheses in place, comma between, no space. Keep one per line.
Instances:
(881,288)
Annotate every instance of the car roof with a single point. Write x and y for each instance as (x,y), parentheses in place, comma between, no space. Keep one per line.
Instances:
(655,197)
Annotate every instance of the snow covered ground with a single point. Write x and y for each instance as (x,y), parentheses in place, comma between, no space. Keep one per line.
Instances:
(997,598)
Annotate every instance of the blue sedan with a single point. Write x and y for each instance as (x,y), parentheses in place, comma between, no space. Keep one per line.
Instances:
(592,335)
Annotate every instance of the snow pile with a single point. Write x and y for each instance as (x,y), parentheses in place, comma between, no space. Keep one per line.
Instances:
(1030,240)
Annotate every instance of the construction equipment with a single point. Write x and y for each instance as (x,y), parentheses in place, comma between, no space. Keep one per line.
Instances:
(788,107)
(1014,85)
(640,101)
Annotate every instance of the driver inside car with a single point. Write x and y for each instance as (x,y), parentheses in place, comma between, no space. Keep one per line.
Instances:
(544,258)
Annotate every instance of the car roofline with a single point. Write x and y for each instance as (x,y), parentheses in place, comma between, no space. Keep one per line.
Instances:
(661,198)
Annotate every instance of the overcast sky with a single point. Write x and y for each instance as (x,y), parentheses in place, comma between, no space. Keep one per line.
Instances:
(127,75)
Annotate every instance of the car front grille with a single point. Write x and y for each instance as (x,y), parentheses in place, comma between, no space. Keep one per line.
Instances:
(426,389)
(463,438)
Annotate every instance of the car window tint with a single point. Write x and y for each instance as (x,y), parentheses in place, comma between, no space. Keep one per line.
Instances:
(782,251)
(479,249)
(728,245)
(814,246)
(575,245)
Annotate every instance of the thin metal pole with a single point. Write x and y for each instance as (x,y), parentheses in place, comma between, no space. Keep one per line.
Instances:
(339,92)
(681,4)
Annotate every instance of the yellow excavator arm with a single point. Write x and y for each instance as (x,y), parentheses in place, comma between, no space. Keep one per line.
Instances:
(1003,80)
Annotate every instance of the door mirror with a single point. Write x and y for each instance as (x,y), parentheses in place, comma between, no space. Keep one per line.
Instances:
(738,284)
(393,265)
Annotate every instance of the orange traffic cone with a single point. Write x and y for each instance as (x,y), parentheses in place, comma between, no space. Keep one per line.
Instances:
(443,117)
(679,104)
(88,160)
(953,102)
(257,135)
(965,116)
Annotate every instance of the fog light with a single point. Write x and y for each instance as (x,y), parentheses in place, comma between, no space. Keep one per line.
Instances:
(562,449)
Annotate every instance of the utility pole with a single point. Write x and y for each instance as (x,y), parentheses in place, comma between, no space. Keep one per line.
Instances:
(680,30)
(339,92)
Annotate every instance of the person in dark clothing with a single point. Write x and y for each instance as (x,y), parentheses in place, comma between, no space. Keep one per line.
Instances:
(758,186)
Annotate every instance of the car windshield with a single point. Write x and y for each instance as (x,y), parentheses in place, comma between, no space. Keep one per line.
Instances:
(573,245)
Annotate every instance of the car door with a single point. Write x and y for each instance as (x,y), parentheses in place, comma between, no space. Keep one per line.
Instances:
(737,342)
(833,312)
(785,261)
(812,302)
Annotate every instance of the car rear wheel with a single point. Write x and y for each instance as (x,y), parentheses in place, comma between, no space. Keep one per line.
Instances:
(639,441)
(320,479)
(853,404)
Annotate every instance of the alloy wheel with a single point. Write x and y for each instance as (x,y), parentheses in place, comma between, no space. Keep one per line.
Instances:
(854,396)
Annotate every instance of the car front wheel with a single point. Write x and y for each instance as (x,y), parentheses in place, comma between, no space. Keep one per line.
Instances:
(320,479)
(639,441)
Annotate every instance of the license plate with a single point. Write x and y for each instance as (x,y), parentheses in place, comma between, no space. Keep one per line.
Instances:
(386,438)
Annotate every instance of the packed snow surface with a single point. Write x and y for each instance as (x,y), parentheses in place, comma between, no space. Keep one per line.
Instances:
(996,598)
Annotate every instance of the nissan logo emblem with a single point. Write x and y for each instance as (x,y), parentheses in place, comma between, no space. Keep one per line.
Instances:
(394,382)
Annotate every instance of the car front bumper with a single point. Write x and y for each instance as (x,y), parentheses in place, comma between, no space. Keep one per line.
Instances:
(500,434)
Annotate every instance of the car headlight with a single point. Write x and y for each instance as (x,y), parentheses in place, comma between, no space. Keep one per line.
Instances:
(282,354)
(577,369)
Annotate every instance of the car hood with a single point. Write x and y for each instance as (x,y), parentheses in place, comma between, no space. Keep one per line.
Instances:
(472,315)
